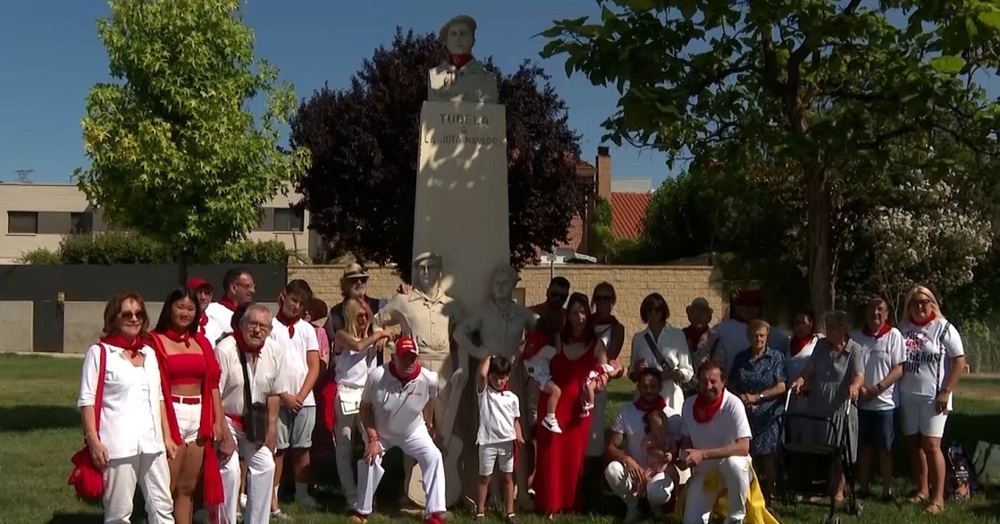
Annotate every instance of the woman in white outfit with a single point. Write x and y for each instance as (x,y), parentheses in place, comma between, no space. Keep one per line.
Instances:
(935,360)
(662,347)
(355,354)
(129,444)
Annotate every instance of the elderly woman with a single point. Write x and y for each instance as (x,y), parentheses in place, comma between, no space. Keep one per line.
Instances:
(661,347)
(834,376)
(935,360)
(758,379)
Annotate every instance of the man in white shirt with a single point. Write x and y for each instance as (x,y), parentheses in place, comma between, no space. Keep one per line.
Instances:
(297,415)
(729,337)
(264,363)
(883,357)
(716,442)
(237,289)
(395,405)
(630,461)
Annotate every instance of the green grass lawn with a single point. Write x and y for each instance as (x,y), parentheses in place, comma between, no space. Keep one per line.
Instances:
(40,430)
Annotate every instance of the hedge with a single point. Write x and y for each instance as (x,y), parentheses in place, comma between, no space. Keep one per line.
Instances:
(129,248)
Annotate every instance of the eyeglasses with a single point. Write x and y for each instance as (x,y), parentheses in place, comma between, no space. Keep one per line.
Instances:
(249,287)
(129,315)
(922,303)
(259,326)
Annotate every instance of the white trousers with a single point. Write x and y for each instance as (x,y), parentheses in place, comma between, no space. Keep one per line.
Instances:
(260,480)
(735,475)
(343,434)
(658,490)
(421,448)
(152,474)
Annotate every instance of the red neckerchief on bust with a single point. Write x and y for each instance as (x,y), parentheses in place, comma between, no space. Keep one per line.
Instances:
(404,379)
(287,321)
(646,408)
(244,346)
(882,330)
(460,60)
(202,322)
(704,410)
(230,304)
(930,318)
(119,341)
(797,344)
(183,337)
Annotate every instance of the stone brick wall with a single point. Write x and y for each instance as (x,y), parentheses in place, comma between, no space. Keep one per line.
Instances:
(678,284)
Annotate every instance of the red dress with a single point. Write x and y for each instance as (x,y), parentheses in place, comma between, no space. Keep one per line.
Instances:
(559,461)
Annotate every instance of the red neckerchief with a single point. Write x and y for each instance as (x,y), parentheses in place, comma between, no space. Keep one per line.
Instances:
(202,322)
(704,410)
(600,321)
(288,322)
(797,344)
(924,323)
(119,341)
(174,336)
(245,346)
(693,335)
(460,60)
(881,330)
(534,343)
(646,408)
(230,304)
(404,380)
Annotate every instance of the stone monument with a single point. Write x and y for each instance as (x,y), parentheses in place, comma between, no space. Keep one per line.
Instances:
(461,209)
(496,326)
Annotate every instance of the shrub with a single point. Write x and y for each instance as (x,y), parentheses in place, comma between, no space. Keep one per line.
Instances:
(129,248)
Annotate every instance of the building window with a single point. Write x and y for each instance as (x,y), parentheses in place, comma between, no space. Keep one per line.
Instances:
(81,223)
(22,222)
(288,219)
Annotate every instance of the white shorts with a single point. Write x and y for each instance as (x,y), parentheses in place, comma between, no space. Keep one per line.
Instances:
(919,415)
(500,455)
(188,419)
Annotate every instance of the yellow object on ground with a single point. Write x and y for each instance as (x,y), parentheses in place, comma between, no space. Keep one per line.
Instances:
(714,487)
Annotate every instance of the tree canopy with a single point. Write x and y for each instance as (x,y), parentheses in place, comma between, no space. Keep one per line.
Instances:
(175,152)
(812,90)
(361,186)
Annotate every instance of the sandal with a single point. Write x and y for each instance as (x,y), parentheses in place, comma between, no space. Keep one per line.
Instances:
(934,508)
(916,498)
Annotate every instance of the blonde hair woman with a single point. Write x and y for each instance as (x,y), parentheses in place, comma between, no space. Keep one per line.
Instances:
(354,350)
(935,360)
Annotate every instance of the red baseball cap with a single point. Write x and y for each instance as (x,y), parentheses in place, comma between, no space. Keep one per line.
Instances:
(406,345)
(196,283)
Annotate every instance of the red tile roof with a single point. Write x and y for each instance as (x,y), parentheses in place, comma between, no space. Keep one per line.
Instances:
(628,212)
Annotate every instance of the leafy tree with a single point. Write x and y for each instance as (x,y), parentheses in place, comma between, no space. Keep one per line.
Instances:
(812,86)
(364,141)
(175,153)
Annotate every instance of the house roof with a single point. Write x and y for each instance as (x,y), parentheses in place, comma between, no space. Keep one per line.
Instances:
(628,213)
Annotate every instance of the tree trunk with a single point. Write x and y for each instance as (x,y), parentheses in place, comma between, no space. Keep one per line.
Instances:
(820,272)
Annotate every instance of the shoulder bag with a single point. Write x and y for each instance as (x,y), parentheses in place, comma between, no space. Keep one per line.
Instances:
(254,413)
(86,478)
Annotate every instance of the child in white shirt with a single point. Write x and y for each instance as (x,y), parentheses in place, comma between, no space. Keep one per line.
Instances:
(537,352)
(499,431)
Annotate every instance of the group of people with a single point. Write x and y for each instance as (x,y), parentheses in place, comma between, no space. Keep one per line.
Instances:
(218,395)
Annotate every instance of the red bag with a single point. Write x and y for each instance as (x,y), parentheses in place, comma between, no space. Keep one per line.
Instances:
(86,478)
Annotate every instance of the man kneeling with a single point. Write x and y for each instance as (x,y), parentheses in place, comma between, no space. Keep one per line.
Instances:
(395,403)
(648,430)
(716,442)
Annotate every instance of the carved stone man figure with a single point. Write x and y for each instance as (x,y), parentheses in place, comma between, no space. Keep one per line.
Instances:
(461,77)
(499,324)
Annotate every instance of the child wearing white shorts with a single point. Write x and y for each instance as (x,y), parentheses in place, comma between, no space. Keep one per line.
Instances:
(499,431)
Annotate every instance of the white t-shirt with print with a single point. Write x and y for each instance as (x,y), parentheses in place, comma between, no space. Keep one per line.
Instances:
(629,422)
(928,349)
(399,408)
(728,425)
(296,348)
(497,412)
(878,357)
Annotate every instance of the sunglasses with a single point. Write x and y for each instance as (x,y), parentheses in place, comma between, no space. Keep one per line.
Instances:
(362,316)
(602,298)
(561,296)
(129,315)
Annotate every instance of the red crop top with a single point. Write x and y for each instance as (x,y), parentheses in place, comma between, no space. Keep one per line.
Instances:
(186,368)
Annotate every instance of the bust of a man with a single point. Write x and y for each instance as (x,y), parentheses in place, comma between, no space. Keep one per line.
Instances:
(461,78)
(497,326)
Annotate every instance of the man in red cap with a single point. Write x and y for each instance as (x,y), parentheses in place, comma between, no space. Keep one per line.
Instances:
(203,290)
(396,411)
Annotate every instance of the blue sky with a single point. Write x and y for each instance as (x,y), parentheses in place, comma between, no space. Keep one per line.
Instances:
(50,57)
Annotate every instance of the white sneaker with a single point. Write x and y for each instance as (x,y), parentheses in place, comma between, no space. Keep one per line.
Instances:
(307,501)
(587,408)
(243,501)
(550,423)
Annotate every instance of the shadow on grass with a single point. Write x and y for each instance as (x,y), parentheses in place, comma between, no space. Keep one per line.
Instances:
(75,518)
(31,417)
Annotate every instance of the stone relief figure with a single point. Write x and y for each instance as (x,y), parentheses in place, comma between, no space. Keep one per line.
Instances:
(461,77)
(497,326)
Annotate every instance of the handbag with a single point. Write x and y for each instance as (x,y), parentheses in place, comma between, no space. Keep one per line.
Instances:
(350,400)
(254,413)
(86,478)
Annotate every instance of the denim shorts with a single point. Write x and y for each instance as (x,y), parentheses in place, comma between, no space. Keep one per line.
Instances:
(877,428)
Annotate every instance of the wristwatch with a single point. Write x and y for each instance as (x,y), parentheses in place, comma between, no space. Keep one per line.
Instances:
(760,396)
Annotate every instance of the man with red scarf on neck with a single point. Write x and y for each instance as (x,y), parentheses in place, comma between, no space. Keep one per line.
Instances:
(395,407)
(203,290)
(628,461)
(716,440)
(238,288)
